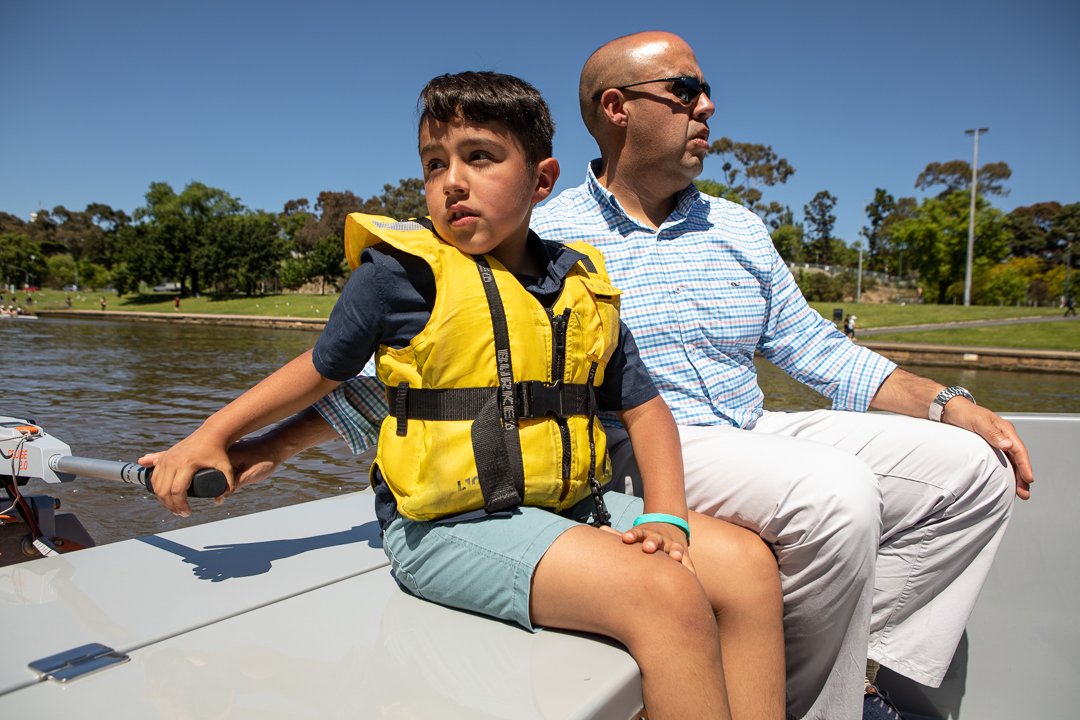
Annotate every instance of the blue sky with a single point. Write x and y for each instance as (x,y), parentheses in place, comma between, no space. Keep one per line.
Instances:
(273,101)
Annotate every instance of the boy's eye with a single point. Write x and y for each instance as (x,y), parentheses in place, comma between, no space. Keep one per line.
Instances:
(479,156)
(432,165)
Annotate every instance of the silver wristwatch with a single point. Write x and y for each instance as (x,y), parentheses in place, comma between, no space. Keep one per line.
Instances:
(937,407)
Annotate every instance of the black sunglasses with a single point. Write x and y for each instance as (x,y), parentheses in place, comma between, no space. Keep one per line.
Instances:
(685,87)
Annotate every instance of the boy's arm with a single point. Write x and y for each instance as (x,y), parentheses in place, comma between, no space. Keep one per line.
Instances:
(655,439)
(288,390)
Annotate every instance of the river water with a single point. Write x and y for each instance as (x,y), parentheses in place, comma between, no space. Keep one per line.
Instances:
(115,390)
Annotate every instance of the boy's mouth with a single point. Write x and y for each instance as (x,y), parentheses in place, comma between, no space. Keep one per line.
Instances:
(459,214)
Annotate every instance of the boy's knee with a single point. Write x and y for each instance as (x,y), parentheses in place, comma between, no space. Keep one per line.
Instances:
(674,594)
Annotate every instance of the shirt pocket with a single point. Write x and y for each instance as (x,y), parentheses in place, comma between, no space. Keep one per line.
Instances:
(737,315)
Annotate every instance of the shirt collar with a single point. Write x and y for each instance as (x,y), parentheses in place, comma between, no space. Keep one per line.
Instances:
(685,201)
(560,260)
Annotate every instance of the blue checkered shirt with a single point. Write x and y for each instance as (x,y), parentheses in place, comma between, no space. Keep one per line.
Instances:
(702,294)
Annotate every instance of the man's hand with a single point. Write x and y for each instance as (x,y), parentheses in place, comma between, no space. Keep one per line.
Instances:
(998,432)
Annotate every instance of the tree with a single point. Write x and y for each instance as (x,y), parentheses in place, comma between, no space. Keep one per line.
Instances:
(747,167)
(21,260)
(327,261)
(936,236)
(819,218)
(177,228)
(956,175)
(245,252)
(882,212)
(403,201)
(328,220)
(1029,229)
(788,239)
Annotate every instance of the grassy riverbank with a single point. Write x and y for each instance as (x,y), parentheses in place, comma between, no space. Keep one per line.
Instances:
(1026,336)
(1036,335)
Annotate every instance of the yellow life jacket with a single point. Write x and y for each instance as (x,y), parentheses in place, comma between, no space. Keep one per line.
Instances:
(468,410)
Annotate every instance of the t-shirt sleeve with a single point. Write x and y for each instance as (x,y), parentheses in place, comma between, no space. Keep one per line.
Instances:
(387,301)
(626,381)
(355,326)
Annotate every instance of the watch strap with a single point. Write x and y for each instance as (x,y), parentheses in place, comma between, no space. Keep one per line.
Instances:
(937,407)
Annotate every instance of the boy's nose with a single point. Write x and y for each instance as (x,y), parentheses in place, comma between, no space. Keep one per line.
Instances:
(455,183)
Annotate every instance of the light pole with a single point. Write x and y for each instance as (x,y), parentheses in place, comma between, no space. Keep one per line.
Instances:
(971,217)
(858,281)
(1068,267)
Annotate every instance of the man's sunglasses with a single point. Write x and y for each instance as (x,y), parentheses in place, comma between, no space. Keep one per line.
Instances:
(688,89)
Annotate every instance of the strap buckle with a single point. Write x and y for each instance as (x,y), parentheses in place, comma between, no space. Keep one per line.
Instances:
(537,399)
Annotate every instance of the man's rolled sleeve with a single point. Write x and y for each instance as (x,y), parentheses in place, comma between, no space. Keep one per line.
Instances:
(810,349)
(355,409)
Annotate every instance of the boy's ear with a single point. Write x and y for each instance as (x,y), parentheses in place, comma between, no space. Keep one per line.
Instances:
(547,174)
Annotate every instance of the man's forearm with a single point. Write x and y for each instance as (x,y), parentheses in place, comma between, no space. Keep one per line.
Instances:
(906,393)
(297,433)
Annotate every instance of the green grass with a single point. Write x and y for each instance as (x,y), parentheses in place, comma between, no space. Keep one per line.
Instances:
(875,316)
(285,305)
(1029,336)
(1050,336)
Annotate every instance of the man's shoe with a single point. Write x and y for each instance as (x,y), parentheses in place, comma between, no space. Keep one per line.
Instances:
(878,706)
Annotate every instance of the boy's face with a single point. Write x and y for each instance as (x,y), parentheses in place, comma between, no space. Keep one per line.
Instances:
(480,190)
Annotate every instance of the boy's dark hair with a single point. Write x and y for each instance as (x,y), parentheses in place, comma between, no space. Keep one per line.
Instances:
(485,96)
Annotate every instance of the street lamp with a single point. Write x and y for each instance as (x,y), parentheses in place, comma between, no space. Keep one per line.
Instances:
(1068,267)
(971,217)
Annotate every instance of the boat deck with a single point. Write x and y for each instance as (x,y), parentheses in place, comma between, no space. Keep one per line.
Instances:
(293,613)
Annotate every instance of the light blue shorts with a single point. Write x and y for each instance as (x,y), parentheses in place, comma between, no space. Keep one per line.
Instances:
(486,565)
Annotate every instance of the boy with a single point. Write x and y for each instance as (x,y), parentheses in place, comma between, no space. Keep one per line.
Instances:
(497,350)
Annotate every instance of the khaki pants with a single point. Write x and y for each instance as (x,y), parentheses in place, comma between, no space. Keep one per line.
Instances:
(884,529)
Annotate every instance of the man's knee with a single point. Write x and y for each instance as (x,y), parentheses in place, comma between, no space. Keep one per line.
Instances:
(985,477)
(842,504)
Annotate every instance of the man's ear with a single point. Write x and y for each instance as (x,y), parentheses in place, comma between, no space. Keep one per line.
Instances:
(611,105)
(547,174)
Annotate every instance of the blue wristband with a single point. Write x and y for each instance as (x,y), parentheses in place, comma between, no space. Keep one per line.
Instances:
(664,518)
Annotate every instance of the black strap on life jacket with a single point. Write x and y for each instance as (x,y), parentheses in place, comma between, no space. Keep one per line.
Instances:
(601,516)
(495,440)
(532,399)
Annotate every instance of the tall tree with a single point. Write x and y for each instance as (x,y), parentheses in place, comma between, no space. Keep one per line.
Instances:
(402,201)
(937,239)
(178,226)
(956,175)
(747,167)
(1030,230)
(883,212)
(245,252)
(819,218)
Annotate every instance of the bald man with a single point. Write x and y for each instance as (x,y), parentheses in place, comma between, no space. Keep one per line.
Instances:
(883,526)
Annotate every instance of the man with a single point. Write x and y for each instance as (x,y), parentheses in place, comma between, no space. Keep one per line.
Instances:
(883,526)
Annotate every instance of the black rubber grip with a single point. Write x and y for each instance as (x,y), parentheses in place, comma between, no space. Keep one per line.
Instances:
(206,483)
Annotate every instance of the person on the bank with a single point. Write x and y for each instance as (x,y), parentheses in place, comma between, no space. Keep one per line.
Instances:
(498,348)
(884,526)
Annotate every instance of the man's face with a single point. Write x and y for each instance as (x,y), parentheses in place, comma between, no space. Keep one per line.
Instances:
(664,133)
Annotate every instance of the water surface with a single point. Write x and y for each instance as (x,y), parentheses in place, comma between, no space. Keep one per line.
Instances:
(115,390)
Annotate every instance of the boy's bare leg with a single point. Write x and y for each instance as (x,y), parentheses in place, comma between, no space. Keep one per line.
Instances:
(590,581)
(742,581)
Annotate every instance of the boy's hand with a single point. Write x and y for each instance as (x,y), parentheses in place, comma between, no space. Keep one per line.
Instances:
(664,537)
(174,468)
